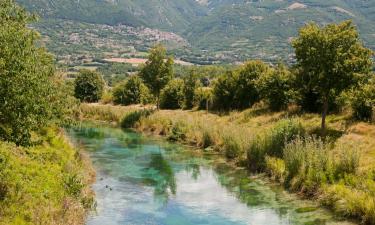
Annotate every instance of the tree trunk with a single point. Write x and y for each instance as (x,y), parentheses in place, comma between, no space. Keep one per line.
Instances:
(324,115)
(157,102)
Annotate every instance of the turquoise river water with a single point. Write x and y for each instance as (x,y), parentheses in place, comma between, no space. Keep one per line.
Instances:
(143,180)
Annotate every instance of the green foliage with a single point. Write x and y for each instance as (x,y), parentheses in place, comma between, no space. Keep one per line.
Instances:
(73,185)
(247,92)
(363,102)
(272,143)
(233,146)
(132,118)
(89,86)
(276,88)
(178,132)
(190,87)
(238,89)
(131,91)
(332,59)
(158,71)
(29,96)
(275,167)
(308,164)
(224,91)
(172,96)
(38,185)
(203,97)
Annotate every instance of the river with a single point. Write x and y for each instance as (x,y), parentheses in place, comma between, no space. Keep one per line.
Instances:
(144,180)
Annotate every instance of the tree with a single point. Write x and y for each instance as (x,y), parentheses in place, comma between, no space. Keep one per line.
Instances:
(89,86)
(158,71)
(29,93)
(224,91)
(363,102)
(246,91)
(172,96)
(276,87)
(332,59)
(131,91)
(191,84)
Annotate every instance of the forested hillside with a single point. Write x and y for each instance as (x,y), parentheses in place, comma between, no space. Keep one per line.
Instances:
(217,30)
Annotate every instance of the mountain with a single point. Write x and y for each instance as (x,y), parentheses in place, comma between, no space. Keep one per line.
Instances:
(225,30)
(264,28)
(163,14)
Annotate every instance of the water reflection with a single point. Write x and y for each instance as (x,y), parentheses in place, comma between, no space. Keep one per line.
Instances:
(144,181)
(160,175)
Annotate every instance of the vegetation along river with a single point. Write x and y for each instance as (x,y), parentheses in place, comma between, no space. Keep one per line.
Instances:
(144,180)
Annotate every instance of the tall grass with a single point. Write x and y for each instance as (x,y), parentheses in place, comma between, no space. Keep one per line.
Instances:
(272,143)
(58,192)
(130,119)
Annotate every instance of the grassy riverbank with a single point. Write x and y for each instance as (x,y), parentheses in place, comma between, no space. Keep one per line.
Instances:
(339,171)
(44,184)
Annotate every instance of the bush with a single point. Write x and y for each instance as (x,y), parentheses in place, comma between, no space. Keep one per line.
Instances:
(172,96)
(272,143)
(131,91)
(363,102)
(347,162)
(276,88)
(73,185)
(89,86)
(233,146)
(275,167)
(308,164)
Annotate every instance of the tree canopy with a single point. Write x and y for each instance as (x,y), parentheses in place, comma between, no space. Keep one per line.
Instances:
(28,92)
(89,86)
(332,59)
(158,70)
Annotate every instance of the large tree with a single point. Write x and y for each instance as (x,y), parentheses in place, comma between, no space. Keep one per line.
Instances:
(89,86)
(332,59)
(158,71)
(28,93)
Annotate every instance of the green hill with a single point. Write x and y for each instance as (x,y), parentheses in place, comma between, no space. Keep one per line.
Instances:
(222,30)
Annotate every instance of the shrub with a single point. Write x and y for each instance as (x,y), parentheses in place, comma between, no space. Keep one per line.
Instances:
(131,91)
(231,147)
(73,185)
(308,164)
(275,167)
(276,88)
(130,119)
(89,86)
(172,96)
(347,162)
(363,102)
(272,143)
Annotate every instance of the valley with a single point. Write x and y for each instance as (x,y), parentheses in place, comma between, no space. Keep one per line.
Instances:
(200,32)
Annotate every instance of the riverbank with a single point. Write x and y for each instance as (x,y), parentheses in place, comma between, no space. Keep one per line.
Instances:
(339,172)
(48,183)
